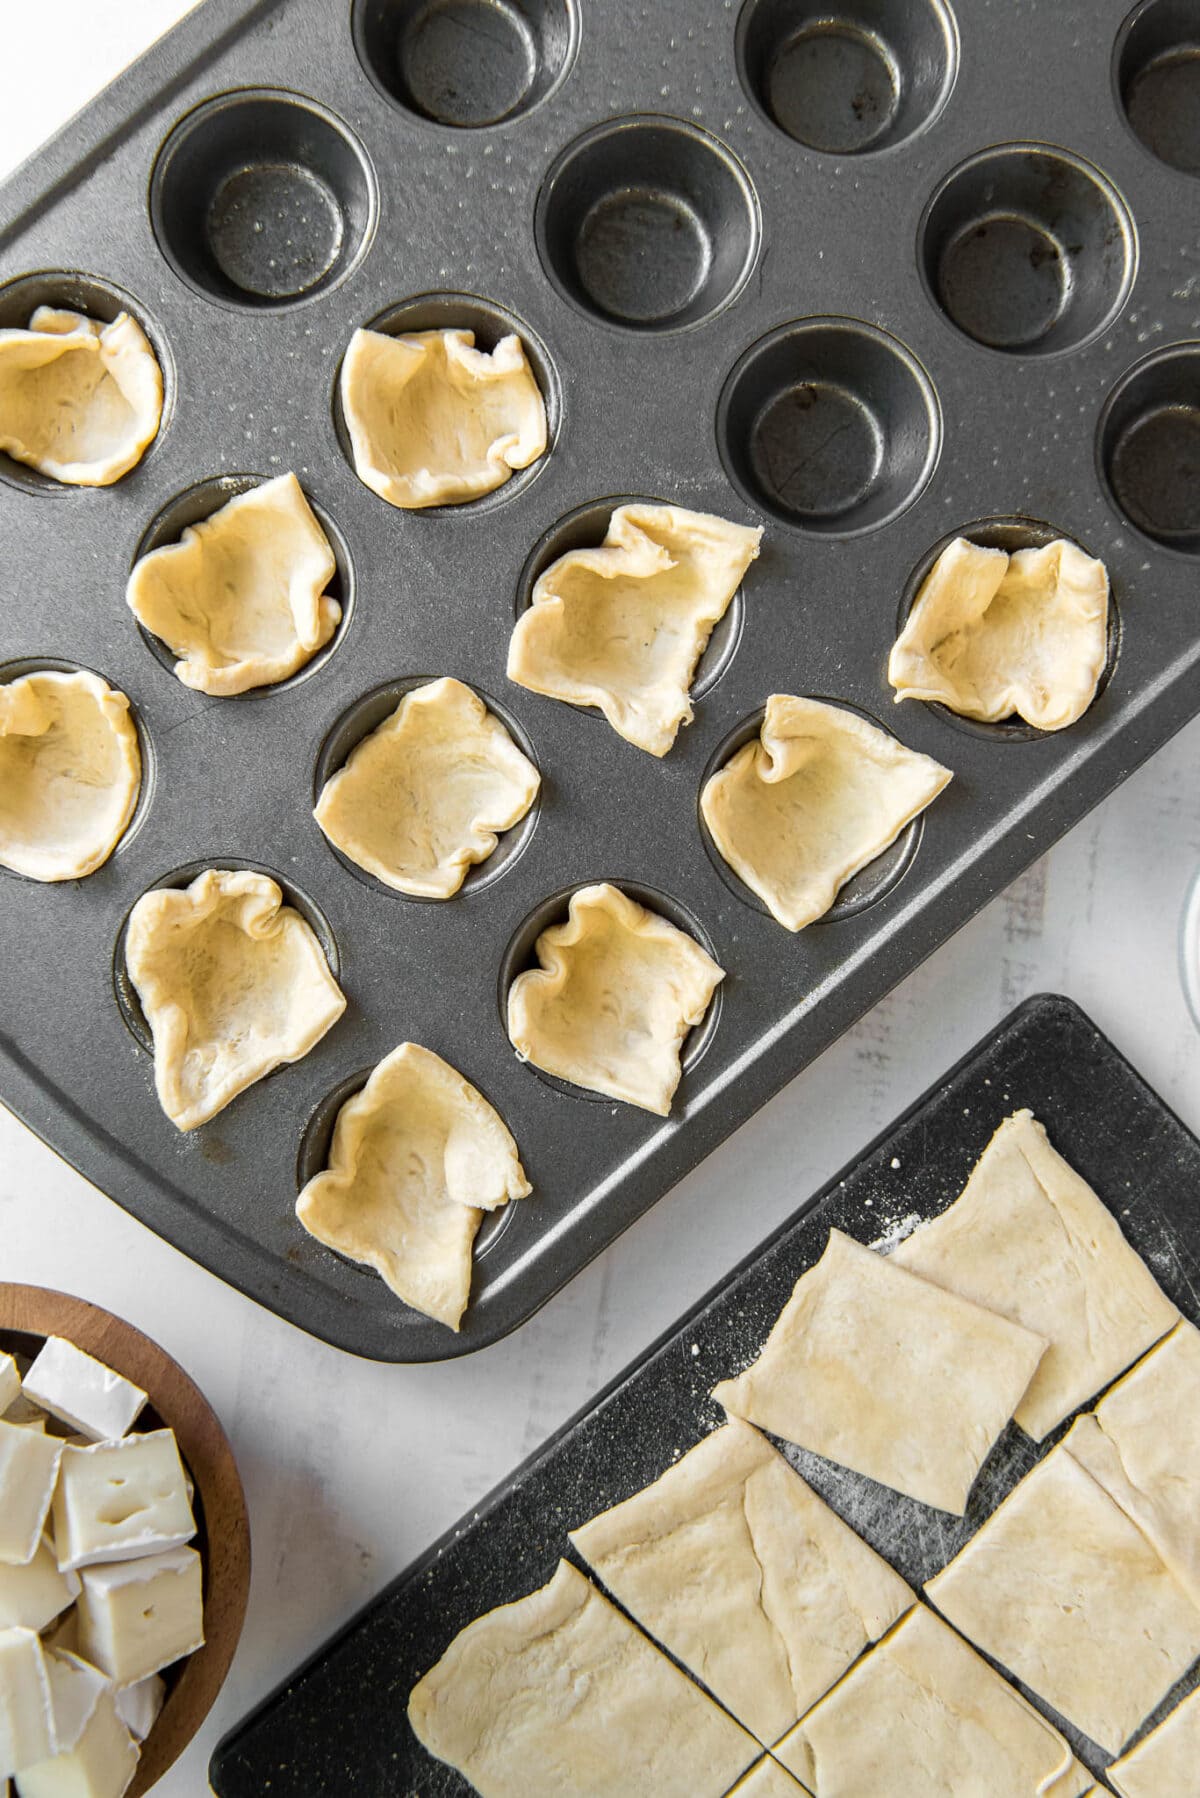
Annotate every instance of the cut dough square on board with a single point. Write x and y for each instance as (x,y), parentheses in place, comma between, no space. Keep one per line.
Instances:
(1166,1764)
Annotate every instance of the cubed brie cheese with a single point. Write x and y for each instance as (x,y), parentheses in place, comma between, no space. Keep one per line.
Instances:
(10,1382)
(76,1688)
(138,1706)
(33,1595)
(101,1765)
(136,1617)
(26,1716)
(120,1500)
(100,1404)
(28,1471)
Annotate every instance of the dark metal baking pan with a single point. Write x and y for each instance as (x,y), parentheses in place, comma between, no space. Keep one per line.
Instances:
(914,326)
(339,1723)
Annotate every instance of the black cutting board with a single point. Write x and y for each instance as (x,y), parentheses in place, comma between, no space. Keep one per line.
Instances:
(339,1724)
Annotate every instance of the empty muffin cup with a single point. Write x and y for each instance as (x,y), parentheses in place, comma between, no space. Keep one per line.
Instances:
(1148,447)
(648,223)
(1156,74)
(857,76)
(261,198)
(465,63)
(830,425)
(1028,249)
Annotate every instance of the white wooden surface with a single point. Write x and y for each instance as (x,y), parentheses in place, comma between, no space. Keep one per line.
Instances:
(351,1468)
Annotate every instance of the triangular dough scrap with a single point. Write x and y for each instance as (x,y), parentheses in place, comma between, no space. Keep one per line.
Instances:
(991,635)
(923,1716)
(768,1780)
(887,1375)
(70,774)
(1065,1591)
(1167,1763)
(734,1564)
(435,422)
(417,1157)
(616,993)
(1028,1237)
(622,627)
(423,797)
(232,981)
(559,1694)
(79,401)
(240,599)
(813,800)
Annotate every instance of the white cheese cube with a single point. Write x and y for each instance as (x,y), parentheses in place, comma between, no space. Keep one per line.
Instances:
(101,1765)
(136,1617)
(33,1595)
(26,1717)
(119,1500)
(28,1471)
(10,1382)
(76,1688)
(138,1706)
(100,1404)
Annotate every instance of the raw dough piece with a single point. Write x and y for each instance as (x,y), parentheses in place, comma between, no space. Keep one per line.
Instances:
(992,634)
(886,1374)
(435,422)
(923,1716)
(417,1157)
(232,982)
(70,773)
(768,1780)
(422,798)
(623,626)
(240,599)
(733,1563)
(1166,1764)
(79,401)
(617,991)
(1029,1238)
(1065,1591)
(560,1694)
(817,796)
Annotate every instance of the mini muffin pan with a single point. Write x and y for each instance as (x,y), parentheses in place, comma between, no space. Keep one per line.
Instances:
(870,272)
(339,1723)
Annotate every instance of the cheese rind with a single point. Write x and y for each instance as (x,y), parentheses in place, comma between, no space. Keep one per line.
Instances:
(138,1706)
(136,1617)
(35,1593)
(101,1765)
(119,1501)
(29,1463)
(26,1714)
(80,1390)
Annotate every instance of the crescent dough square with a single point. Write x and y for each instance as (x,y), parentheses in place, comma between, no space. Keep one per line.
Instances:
(923,1716)
(1167,1763)
(733,1563)
(617,991)
(433,421)
(232,981)
(417,1157)
(887,1375)
(768,1780)
(70,773)
(79,400)
(1028,1237)
(422,798)
(623,626)
(992,634)
(240,599)
(560,1694)
(816,797)
(1064,1590)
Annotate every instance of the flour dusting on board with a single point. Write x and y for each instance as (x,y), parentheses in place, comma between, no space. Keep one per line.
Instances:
(895,1231)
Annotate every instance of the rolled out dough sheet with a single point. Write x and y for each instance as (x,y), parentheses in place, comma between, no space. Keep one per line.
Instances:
(768,1780)
(1166,1764)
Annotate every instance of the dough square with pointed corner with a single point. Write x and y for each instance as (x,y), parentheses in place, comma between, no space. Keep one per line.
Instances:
(616,991)
(559,1693)
(1064,1590)
(623,626)
(70,773)
(434,421)
(887,1374)
(417,1157)
(241,599)
(811,801)
(1166,1763)
(233,982)
(768,1780)
(80,401)
(424,797)
(1028,1237)
(746,1576)
(923,1716)
(990,634)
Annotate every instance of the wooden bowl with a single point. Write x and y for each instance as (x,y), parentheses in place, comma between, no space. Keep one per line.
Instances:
(28,1314)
